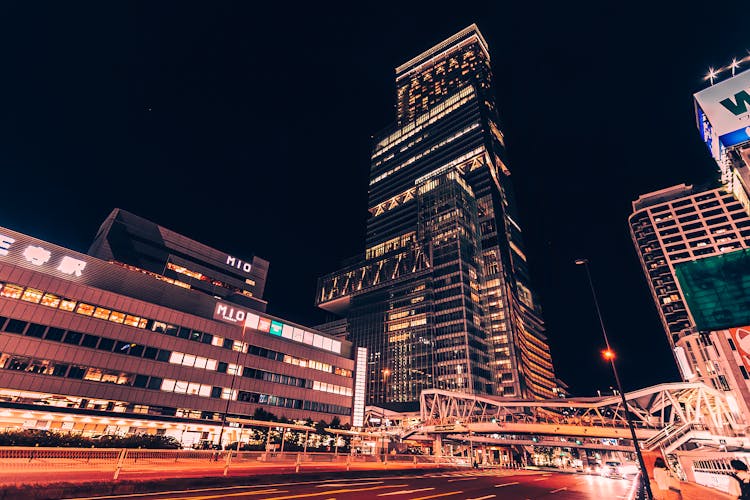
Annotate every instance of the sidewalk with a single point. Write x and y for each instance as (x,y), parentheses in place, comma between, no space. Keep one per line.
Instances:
(692,491)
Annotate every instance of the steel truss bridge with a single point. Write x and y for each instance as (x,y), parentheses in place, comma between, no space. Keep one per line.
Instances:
(665,417)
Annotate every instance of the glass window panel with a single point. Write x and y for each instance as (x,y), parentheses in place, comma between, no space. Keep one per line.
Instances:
(189,360)
(168,385)
(336,346)
(50,300)
(298,335)
(117,317)
(287,332)
(211,364)
(200,362)
(11,291)
(317,340)
(85,309)
(32,295)
(193,388)
(251,321)
(131,320)
(181,387)
(308,338)
(176,358)
(326,343)
(67,305)
(101,313)
(205,391)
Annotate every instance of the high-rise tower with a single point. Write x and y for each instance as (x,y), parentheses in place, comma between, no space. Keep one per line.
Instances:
(443,297)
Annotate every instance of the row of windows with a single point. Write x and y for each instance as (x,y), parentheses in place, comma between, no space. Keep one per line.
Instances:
(138,350)
(92,374)
(10,290)
(28,294)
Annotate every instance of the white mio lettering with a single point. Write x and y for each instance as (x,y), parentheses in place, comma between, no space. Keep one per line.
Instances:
(239,264)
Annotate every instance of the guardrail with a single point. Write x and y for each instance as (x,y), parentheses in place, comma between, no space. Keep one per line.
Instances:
(26,461)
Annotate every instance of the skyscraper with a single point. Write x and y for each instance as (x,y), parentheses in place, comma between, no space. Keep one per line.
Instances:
(443,297)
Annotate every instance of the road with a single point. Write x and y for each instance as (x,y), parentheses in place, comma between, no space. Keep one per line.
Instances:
(458,485)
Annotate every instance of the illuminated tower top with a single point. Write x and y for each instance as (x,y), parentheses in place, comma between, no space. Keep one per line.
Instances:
(436,73)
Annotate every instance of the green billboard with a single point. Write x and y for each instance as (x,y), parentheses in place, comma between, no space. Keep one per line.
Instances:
(717,289)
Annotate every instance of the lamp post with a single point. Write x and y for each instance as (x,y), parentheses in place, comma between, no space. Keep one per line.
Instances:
(386,372)
(610,356)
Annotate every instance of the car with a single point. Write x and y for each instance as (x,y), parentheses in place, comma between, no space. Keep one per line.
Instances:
(611,469)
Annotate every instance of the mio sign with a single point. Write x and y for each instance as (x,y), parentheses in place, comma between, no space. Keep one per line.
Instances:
(239,264)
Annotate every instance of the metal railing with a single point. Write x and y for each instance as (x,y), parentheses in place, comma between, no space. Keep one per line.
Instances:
(31,462)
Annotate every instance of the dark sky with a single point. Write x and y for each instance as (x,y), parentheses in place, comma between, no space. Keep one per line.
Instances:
(248,128)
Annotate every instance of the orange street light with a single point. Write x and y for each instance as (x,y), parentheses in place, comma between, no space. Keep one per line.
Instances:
(608,354)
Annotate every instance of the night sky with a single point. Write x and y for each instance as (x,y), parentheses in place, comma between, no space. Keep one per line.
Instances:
(248,128)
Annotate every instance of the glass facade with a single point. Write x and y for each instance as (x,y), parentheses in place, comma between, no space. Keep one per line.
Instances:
(443,297)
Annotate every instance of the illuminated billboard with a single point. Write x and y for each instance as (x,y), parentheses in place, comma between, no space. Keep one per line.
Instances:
(717,290)
(741,337)
(723,113)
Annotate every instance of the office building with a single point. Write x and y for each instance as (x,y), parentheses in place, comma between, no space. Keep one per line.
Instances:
(102,347)
(141,245)
(677,228)
(442,297)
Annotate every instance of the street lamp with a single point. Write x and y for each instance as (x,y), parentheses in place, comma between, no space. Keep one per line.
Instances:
(386,372)
(609,355)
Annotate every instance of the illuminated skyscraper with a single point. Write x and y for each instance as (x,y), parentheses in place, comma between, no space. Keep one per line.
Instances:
(443,297)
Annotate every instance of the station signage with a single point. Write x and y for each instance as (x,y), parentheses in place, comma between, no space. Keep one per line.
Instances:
(41,256)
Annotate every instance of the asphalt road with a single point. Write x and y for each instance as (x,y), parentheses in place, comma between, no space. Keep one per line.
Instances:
(459,485)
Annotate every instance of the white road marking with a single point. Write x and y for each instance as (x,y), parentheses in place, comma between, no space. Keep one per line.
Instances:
(482,498)
(463,479)
(505,484)
(540,479)
(404,492)
(558,489)
(342,485)
(439,495)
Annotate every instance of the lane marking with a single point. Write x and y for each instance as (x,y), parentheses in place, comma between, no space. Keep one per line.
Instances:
(404,492)
(540,479)
(345,485)
(236,487)
(559,489)
(464,479)
(505,484)
(350,490)
(226,495)
(439,495)
(482,498)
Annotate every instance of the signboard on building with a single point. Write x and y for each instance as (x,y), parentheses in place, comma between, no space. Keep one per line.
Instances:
(741,339)
(723,111)
(717,290)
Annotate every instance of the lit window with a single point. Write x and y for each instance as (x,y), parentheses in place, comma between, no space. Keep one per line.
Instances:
(176,357)
(85,309)
(12,291)
(67,305)
(32,295)
(131,320)
(101,313)
(168,385)
(50,300)
(117,317)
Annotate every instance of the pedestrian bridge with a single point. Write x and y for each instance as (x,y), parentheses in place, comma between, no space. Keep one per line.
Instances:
(664,416)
